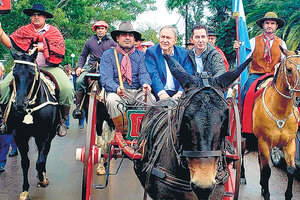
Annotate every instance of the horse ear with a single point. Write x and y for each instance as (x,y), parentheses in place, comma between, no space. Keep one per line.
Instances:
(284,51)
(33,54)
(185,79)
(14,55)
(226,79)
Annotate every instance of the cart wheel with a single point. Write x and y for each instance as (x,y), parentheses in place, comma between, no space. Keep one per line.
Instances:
(232,186)
(90,142)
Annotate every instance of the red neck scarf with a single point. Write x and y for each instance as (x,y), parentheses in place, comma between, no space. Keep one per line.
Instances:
(267,51)
(53,42)
(126,64)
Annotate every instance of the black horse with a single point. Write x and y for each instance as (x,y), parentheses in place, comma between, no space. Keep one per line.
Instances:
(181,143)
(33,112)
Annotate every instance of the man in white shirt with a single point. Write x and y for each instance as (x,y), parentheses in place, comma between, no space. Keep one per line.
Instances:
(163,82)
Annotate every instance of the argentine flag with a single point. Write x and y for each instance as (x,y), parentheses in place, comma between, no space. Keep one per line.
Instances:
(245,48)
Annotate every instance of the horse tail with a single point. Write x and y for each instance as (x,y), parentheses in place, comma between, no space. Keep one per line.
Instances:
(251,142)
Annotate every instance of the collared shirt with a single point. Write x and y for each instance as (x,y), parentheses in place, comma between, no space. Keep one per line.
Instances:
(40,57)
(199,61)
(170,82)
(252,44)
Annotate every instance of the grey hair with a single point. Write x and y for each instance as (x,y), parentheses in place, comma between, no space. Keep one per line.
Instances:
(170,27)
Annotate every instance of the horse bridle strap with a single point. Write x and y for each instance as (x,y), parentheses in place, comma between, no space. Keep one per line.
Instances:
(201,154)
(25,62)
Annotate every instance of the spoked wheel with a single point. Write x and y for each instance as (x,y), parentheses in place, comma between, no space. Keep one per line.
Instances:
(89,147)
(234,168)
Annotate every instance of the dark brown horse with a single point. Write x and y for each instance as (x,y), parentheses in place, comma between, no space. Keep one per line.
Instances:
(181,141)
(275,120)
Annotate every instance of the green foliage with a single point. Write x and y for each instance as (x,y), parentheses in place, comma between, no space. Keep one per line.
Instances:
(219,18)
(74,18)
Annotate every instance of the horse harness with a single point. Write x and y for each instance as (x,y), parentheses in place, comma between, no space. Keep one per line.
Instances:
(28,119)
(174,122)
(281,122)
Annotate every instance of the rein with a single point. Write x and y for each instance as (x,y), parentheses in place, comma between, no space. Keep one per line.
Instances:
(291,90)
(28,119)
(281,122)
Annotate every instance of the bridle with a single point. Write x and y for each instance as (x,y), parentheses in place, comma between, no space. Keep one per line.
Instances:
(36,78)
(281,122)
(291,89)
(182,105)
(28,119)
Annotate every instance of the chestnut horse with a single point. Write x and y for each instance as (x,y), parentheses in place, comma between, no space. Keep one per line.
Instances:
(275,120)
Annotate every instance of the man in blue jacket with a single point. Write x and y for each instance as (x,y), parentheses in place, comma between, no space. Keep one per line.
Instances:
(163,82)
(133,76)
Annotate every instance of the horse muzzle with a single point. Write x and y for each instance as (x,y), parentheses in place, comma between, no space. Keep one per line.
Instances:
(202,193)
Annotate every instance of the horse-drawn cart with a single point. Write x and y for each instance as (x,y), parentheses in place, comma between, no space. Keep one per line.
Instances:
(121,147)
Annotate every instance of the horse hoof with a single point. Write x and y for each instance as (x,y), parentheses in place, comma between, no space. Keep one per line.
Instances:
(43,183)
(243,181)
(24,196)
(100,169)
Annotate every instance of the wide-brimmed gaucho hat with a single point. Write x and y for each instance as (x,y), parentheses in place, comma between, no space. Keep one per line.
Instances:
(271,16)
(37,8)
(125,27)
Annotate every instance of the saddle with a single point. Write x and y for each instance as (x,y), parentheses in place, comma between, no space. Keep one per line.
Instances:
(254,91)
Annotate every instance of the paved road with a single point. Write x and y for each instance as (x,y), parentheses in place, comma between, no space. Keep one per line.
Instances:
(65,174)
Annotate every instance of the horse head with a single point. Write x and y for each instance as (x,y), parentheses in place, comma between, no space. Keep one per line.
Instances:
(204,123)
(287,77)
(25,75)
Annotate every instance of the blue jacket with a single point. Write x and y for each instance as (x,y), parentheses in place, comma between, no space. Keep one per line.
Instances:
(155,64)
(109,73)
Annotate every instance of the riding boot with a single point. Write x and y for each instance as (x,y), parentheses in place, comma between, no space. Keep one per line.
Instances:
(78,114)
(121,123)
(62,129)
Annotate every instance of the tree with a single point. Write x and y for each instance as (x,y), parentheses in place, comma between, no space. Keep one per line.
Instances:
(75,18)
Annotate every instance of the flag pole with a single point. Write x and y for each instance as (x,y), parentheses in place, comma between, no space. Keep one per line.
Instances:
(236,16)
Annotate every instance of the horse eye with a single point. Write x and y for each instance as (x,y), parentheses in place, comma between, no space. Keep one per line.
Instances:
(289,70)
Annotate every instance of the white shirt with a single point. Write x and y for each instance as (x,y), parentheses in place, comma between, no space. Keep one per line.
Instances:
(199,62)
(170,85)
(252,44)
(40,59)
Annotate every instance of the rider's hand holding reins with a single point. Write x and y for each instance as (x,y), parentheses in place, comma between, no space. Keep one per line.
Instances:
(177,95)
(121,91)
(146,88)
(78,71)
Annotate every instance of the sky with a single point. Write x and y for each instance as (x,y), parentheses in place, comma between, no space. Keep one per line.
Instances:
(158,18)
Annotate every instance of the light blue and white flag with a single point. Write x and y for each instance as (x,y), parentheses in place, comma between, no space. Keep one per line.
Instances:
(245,48)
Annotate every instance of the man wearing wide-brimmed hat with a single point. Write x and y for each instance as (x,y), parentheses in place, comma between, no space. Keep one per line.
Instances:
(94,48)
(265,49)
(51,50)
(133,77)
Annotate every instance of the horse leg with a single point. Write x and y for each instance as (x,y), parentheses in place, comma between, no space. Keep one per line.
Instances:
(265,170)
(22,144)
(43,148)
(243,180)
(289,154)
